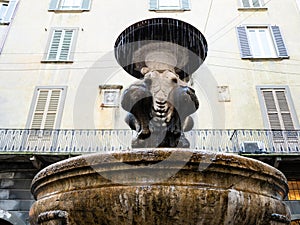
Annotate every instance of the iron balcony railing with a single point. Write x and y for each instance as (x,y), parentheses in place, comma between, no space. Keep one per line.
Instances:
(25,141)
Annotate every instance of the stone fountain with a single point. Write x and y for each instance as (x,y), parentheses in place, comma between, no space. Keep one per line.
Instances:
(161,180)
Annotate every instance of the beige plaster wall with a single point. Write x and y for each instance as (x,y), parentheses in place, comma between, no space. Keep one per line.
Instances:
(21,68)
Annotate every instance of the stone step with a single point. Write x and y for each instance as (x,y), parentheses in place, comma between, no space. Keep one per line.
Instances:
(16,205)
(15,183)
(18,175)
(6,194)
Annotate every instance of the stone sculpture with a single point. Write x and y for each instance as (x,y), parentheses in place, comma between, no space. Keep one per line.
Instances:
(159,107)
(162,53)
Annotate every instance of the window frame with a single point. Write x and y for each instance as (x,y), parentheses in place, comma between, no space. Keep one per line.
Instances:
(260,42)
(9,14)
(70,57)
(7,5)
(288,99)
(276,37)
(59,110)
(56,5)
(251,5)
(184,5)
(294,190)
(282,135)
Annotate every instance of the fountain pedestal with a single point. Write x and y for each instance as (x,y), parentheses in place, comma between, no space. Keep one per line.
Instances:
(159,186)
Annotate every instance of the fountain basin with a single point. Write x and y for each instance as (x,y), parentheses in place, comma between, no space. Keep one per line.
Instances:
(159,186)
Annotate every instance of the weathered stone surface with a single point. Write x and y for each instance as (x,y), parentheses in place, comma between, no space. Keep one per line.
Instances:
(161,187)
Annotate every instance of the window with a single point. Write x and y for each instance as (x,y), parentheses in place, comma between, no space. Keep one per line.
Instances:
(169,5)
(7,9)
(294,190)
(279,113)
(3,9)
(61,45)
(79,5)
(251,3)
(261,42)
(47,108)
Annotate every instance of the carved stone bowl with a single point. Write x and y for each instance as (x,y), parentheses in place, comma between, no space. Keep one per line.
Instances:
(174,38)
(159,186)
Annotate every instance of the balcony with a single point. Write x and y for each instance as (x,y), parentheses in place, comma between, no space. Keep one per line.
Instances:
(76,142)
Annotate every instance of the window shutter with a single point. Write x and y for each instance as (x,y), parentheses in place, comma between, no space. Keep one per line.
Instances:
(279,43)
(278,110)
(3,9)
(86,5)
(53,4)
(285,111)
(185,4)
(256,3)
(52,109)
(46,108)
(243,42)
(246,3)
(40,109)
(10,11)
(66,45)
(55,45)
(271,110)
(61,45)
(153,4)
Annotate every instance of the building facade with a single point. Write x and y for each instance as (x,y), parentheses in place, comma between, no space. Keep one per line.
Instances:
(60,82)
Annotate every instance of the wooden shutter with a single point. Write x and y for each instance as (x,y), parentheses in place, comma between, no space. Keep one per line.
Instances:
(46,108)
(185,4)
(153,4)
(272,111)
(246,3)
(12,5)
(251,3)
(244,45)
(55,45)
(280,116)
(66,45)
(278,110)
(61,45)
(86,5)
(279,43)
(284,110)
(53,4)
(3,9)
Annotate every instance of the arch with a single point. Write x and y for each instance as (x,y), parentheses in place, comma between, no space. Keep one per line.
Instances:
(9,218)
(4,222)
